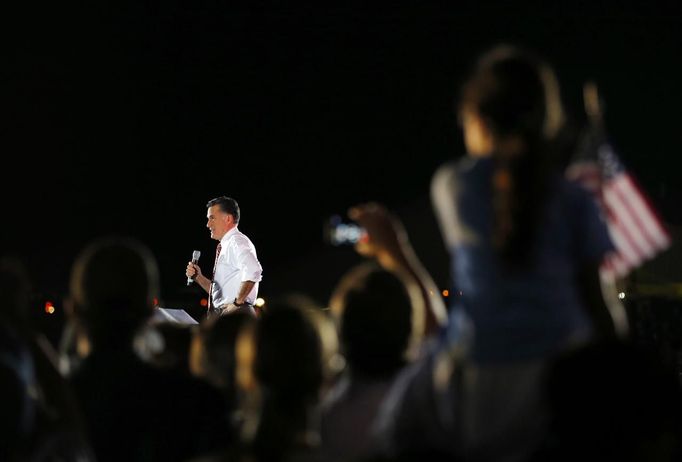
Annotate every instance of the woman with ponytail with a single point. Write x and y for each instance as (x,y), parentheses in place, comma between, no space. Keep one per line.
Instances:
(525,248)
(525,243)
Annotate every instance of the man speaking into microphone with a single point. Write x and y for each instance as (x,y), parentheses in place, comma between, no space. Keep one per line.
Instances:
(236,270)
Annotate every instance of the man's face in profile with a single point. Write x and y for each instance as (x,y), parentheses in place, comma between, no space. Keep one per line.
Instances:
(218,222)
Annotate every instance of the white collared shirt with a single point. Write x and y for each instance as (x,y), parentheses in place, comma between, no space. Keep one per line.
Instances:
(236,262)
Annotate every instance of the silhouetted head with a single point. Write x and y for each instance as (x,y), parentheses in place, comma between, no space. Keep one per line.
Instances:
(212,353)
(114,282)
(374,310)
(283,352)
(514,94)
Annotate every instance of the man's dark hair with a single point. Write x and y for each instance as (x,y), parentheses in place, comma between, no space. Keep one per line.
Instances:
(227,205)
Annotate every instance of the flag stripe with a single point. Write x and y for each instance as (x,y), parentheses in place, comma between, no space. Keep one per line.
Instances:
(646,240)
(636,230)
(627,222)
(623,245)
(645,216)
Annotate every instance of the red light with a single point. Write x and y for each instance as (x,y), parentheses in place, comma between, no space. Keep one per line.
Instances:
(446,293)
(204,302)
(49,307)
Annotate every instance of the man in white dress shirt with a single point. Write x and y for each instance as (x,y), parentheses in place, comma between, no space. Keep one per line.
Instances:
(236,271)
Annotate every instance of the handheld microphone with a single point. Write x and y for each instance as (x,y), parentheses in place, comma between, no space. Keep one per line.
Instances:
(195,259)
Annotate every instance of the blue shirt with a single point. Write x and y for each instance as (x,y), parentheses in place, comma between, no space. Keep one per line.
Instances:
(517,314)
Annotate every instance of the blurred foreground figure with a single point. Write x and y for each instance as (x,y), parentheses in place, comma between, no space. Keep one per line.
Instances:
(383,309)
(525,250)
(134,411)
(40,420)
(212,358)
(280,371)
(373,310)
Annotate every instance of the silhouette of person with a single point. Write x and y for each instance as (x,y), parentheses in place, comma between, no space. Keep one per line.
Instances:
(280,362)
(41,419)
(387,310)
(134,411)
(212,357)
(374,312)
(525,248)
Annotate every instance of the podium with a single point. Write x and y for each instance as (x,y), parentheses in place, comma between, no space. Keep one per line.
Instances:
(172,315)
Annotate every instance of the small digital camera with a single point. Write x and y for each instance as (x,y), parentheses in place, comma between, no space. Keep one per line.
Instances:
(338,231)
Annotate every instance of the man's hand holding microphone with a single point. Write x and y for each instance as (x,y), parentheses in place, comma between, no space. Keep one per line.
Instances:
(193,270)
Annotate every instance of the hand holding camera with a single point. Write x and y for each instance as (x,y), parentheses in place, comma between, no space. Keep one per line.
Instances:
(386,238)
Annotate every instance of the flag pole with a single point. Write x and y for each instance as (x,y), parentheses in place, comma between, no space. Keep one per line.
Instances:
(612,284)
(638,233)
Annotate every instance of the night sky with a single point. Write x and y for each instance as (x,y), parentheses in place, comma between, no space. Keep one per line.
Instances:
(126,117)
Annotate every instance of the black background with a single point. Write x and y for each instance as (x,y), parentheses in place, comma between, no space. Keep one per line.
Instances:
(126,117)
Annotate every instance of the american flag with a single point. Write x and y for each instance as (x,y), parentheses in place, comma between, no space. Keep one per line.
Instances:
(636,229)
